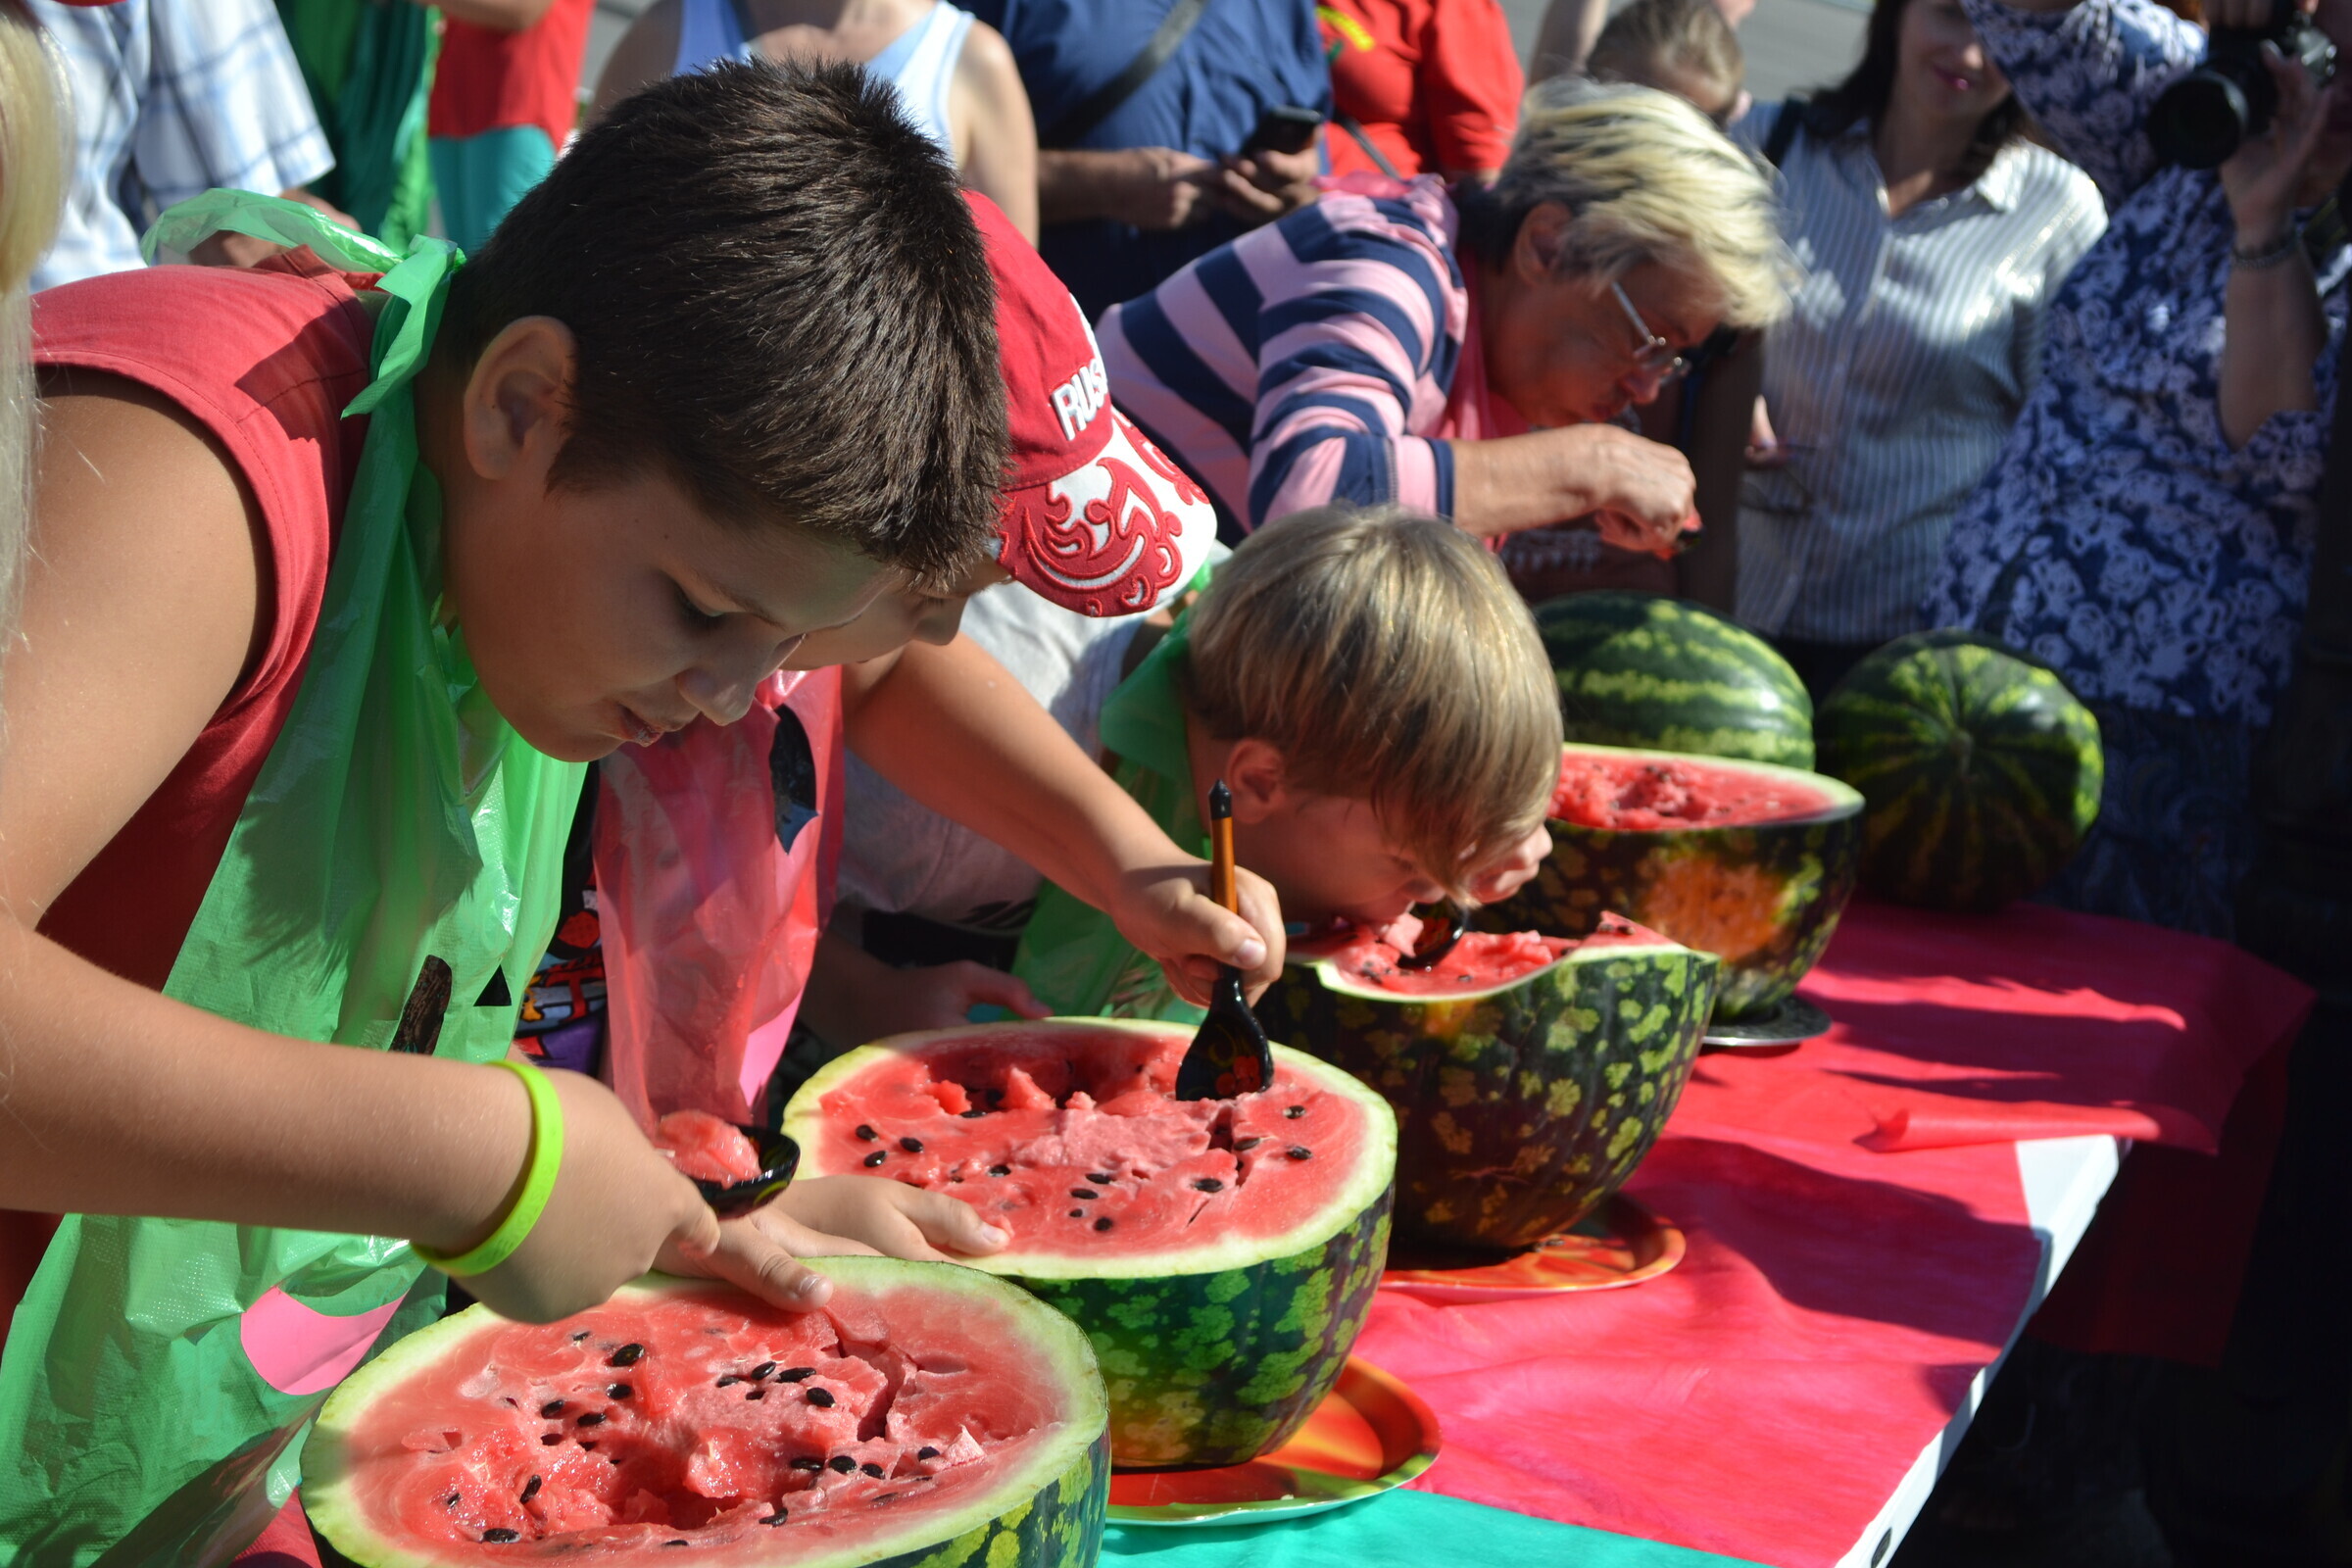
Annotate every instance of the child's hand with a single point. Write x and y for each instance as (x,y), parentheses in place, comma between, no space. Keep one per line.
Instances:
(1514,870)
(618,1207)
(871,1215)
(1167,913)
(854,997)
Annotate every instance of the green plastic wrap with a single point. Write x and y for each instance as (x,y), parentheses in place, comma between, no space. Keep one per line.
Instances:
(157,1368)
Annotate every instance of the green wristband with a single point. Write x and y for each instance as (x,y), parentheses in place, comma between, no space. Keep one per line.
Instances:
(538,1181)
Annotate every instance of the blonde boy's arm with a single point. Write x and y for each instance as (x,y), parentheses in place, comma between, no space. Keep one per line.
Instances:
(952,729)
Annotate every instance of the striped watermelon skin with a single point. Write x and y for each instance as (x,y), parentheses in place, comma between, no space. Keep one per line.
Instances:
(1764,896)
(1980,771)
(1519,1108)
(1670,675)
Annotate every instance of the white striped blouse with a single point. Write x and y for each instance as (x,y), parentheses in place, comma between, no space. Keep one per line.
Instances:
(1911,347)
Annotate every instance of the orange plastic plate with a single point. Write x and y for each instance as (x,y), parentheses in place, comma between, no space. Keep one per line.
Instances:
(1620,1243)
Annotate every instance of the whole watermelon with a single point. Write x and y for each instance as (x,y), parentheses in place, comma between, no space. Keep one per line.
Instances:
(1980,771)
(1670,675)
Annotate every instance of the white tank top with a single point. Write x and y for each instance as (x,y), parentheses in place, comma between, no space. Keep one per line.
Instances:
(919,63)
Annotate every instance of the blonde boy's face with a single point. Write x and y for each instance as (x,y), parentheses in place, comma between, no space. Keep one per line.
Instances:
(1329,860)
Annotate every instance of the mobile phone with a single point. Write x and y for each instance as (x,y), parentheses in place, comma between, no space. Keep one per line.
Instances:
(1284,128)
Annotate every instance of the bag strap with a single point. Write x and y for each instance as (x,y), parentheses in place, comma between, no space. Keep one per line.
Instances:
(1783,131)
(1354,127)
(1096,107)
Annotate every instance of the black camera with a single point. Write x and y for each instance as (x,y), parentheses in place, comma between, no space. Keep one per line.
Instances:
(2200,120)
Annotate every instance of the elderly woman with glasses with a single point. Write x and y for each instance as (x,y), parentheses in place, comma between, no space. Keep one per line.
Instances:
(1465,351)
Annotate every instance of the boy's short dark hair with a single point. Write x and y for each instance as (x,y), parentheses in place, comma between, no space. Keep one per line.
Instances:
(781,301)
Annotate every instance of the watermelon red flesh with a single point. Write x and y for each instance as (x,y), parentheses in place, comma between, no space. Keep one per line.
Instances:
(909,1402)
(1098,1160)
(1634,793)
(707,1149)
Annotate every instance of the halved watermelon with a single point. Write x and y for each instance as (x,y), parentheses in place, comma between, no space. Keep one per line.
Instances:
(928,1414)
(1529,1077)
(1220,1254)
(1746,861)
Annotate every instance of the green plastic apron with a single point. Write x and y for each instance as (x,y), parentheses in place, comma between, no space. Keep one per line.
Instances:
(159,1370)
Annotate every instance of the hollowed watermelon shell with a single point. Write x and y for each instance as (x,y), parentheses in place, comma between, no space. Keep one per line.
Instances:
(434,1452)
(1216,1343)
(1763,897)
(1521,1105)
(1635,669)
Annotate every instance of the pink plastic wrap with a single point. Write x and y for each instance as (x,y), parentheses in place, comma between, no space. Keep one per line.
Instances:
(709,917)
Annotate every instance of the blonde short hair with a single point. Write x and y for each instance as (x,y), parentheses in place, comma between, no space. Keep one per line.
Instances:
(1387,658)
(1645,178)
(34,147)
(1652,36)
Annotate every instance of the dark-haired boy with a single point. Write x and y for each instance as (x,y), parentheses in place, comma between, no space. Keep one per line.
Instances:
(283,727)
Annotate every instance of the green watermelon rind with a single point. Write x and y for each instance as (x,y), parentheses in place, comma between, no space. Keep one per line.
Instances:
(1889,729)
(1218,1353)
(1637,671)
(1058,1495)
(1812,860)
(1521,1106)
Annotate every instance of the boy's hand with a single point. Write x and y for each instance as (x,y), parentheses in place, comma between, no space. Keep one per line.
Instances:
(854,997)
(1167,913)
(872,1214)
(1503,877)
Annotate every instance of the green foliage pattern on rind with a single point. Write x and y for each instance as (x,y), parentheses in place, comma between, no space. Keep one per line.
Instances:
(1519,1109)
(1672,675)
(1764,898)
(1060,1527)
(1215,1369)
(1980,771)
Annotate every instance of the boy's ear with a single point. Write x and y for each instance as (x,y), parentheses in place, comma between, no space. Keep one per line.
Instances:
(1542,241)
(1254,773)
(517,399)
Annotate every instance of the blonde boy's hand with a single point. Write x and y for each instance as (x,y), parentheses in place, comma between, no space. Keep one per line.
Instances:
(1167,913)
(871,1215)
(1514,870)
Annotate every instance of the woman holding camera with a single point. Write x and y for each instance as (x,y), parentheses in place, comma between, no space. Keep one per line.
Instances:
(2148,529)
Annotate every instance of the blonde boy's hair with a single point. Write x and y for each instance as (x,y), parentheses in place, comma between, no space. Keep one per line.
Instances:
(1645,178)
(33,151)
(1387,658)
(1651,36)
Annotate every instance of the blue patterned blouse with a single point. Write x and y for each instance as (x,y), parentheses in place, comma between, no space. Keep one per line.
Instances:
(2119,537)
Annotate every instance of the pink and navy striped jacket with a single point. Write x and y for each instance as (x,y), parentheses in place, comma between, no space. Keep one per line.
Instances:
(1326,356)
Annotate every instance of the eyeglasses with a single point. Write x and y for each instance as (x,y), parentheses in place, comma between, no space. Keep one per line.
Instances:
(1655,355)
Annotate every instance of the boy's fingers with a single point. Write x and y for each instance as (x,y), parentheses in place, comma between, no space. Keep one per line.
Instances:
(697,1233)
(951,1223)
(1007,991)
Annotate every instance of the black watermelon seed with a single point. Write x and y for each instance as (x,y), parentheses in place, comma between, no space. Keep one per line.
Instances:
(500,1536)
(730,1381)
(1083,1192)
(807,1463)
(761,1371)
(820,1398)
(529,1490)
(1104,1180)
(552,1409)
(919,1453)
(874,1159)
(887,1496)
(594,1419)
(776,1518)
(577,1338)
(1077,1213)
(550,1440)
(867,1133)
(1000,1170)
(794,1374)
(619,1390)
(913,1145)
(627,1355)
(757,1393)
(874,1470)
(1293,1112)
(1104,1223)
(590,1447)
(974,1111)
(842,1463)
(679,1542)
(1299,1152)
(1247,1143)
(1207,1184)
(451,1501)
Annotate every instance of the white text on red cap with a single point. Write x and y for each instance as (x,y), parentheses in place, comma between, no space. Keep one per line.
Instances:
(1080,400)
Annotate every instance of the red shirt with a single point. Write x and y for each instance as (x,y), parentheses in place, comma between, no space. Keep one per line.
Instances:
(1434,83)
(487,79)
(264,359)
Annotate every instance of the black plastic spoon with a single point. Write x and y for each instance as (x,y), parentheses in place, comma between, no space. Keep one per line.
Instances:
(1231,1055)
(1435,941)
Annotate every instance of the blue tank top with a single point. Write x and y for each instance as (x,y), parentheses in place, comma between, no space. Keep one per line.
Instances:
(919,63)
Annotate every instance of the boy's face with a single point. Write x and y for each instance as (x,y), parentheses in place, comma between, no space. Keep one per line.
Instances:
(616,613)
(1329,858)
(896,616)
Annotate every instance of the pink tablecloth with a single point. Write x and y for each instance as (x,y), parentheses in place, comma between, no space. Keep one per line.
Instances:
(1858,1242)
